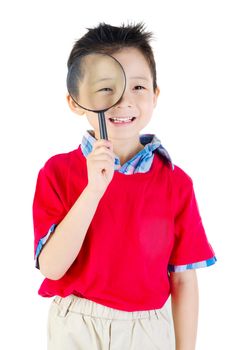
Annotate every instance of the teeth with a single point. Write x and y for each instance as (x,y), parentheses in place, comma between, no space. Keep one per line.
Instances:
(121,119)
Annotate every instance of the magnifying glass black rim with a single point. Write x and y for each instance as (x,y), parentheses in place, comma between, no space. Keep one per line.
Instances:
(105,109)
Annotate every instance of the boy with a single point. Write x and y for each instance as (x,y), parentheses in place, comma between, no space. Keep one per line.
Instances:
(117,227)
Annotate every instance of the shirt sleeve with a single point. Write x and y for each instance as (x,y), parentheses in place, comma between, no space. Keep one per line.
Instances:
(191,247)
(48,211)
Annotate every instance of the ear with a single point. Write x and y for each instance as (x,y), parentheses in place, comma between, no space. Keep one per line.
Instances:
(73,106)
(156,94)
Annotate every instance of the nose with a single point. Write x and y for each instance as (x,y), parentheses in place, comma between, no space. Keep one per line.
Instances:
(125,101)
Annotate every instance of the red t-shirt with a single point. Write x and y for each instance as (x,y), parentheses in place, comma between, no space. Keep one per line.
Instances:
(144,222)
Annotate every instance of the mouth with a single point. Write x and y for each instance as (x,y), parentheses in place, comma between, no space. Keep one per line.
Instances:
(122,120)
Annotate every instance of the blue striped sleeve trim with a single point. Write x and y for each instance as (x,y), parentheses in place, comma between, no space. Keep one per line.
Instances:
(41,243)
(197,265)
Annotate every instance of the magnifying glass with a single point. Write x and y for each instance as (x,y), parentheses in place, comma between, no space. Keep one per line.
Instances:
(96,82)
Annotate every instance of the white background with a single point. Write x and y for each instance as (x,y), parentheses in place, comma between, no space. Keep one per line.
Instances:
(192,119)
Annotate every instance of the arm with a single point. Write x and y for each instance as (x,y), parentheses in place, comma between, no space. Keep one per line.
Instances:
(184,297)
(64,244)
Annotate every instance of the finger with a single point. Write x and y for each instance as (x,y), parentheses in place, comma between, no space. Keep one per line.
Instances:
(103,157)
(102,150)
(100,143)
(100,165)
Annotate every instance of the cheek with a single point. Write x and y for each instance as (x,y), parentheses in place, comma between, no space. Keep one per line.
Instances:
(147,103)
(92,119)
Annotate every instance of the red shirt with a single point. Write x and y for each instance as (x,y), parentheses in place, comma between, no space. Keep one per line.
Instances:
(144,223)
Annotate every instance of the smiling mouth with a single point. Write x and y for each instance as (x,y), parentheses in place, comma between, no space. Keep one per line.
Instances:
(123,120)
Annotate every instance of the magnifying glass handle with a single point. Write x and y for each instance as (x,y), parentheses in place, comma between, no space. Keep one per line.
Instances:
(102,125)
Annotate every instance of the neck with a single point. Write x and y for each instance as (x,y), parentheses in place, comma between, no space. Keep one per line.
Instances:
(126,149)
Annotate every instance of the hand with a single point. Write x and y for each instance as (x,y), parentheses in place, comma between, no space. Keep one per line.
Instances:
(100,166)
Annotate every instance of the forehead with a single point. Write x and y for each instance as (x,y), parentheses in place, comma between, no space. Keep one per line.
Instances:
(101,68)
(133,62)
(98,65)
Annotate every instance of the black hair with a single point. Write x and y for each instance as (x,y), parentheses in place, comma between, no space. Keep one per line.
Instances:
(108,39)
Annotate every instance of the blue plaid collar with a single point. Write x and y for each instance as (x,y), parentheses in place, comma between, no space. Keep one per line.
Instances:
(141,161)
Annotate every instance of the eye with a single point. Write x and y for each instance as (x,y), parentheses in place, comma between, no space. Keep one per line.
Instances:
(139,87)
(106,89)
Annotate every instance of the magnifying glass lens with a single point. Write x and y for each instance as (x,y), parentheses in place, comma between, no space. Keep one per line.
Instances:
(96,82)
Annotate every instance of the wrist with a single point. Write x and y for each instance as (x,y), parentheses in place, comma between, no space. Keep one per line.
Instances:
(96,194)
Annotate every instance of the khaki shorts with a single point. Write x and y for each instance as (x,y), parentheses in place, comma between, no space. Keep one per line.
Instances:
(81,324)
